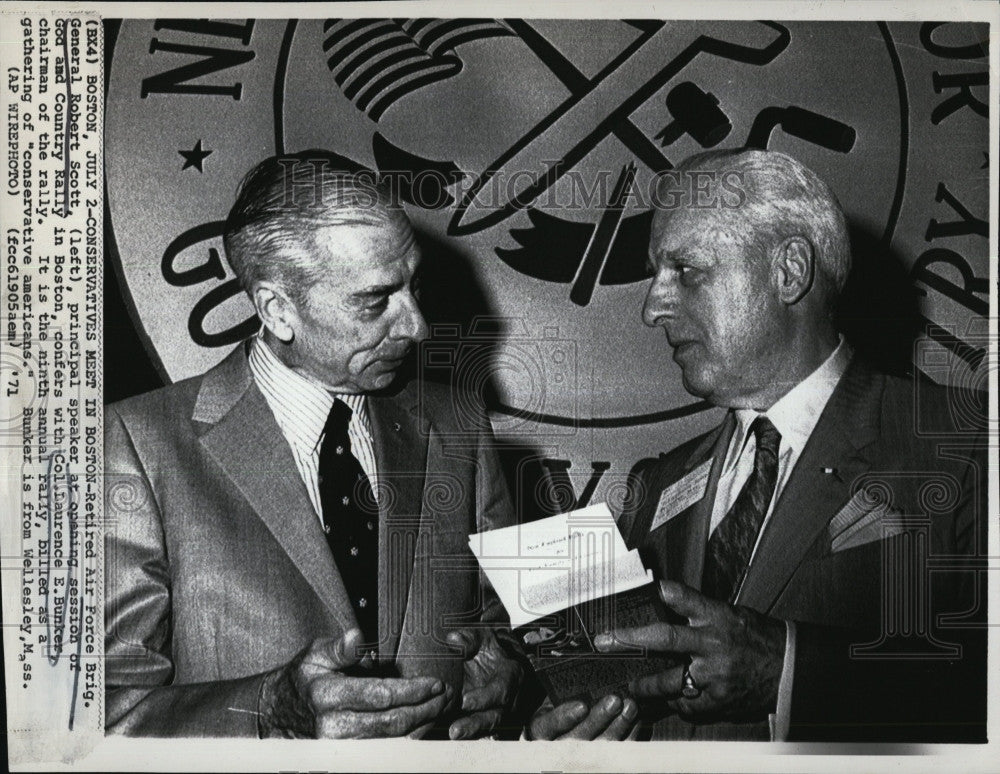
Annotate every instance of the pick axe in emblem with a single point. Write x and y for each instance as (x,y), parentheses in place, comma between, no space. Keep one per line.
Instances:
(377,61)
(608,252)
(568,133)
(613,252)
(695,113)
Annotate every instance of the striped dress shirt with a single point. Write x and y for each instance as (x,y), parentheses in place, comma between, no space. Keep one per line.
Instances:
(301,407)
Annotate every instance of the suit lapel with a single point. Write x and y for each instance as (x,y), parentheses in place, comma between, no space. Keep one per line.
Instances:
(401,439)
(821,482)
(695,536)
(677,548)
(245,440)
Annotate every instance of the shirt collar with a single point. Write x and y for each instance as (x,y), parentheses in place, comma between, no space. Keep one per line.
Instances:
(796,413)
(300,404)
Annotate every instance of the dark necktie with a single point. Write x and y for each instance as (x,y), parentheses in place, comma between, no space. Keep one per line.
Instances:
(350,518)
(731,544)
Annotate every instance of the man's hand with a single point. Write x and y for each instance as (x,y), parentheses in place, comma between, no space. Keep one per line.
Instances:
(311,697)
(490,686)
(610,718)
(736,657)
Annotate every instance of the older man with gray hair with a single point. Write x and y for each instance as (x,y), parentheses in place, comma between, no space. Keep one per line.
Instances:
(278,568)
(828,596)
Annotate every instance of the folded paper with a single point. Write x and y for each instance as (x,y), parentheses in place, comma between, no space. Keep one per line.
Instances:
(545,566)
(563,580)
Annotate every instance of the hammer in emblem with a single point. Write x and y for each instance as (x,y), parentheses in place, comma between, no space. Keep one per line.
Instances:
(571,124)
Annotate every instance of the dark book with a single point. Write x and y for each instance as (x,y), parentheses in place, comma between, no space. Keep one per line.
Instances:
(561,650)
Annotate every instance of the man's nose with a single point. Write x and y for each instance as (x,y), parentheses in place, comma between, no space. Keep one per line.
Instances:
(661,302)
(410,324)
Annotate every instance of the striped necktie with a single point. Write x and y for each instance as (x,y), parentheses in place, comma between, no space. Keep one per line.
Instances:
(730,547)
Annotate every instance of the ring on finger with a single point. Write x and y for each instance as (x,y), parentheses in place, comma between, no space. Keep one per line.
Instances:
(689,688)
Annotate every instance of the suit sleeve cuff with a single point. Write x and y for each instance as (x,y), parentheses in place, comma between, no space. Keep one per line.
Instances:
(781,719)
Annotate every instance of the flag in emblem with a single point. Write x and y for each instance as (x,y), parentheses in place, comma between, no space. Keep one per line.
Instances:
(378,61)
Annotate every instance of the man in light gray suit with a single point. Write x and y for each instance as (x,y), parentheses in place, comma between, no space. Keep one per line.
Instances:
(287,554)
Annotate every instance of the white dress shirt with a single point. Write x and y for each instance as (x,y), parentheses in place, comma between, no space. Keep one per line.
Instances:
(794,416)
(301,406)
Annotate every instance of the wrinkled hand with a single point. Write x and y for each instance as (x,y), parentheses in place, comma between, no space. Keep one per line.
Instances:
(610,718)
(490,685)
(736,657)
(312,697)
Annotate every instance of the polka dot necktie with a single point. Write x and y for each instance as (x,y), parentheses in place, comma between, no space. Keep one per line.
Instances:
(350,518)
(730,547)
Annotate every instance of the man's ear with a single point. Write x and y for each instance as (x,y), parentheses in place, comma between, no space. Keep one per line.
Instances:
(795,269)
(276,310)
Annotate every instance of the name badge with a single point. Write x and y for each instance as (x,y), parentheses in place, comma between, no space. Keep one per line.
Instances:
(681,495)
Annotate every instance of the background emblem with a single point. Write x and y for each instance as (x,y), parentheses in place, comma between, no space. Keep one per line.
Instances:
(529,149)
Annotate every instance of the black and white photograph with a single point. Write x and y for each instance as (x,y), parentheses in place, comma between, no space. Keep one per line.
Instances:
(452,387)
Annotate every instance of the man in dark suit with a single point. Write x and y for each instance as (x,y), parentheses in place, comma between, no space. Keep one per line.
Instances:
(826,542)
(287,554)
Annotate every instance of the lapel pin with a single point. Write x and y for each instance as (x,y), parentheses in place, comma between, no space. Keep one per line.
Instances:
(396,426)
(832,472)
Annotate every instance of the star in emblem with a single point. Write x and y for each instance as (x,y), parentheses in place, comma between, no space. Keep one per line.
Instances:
(194,157)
